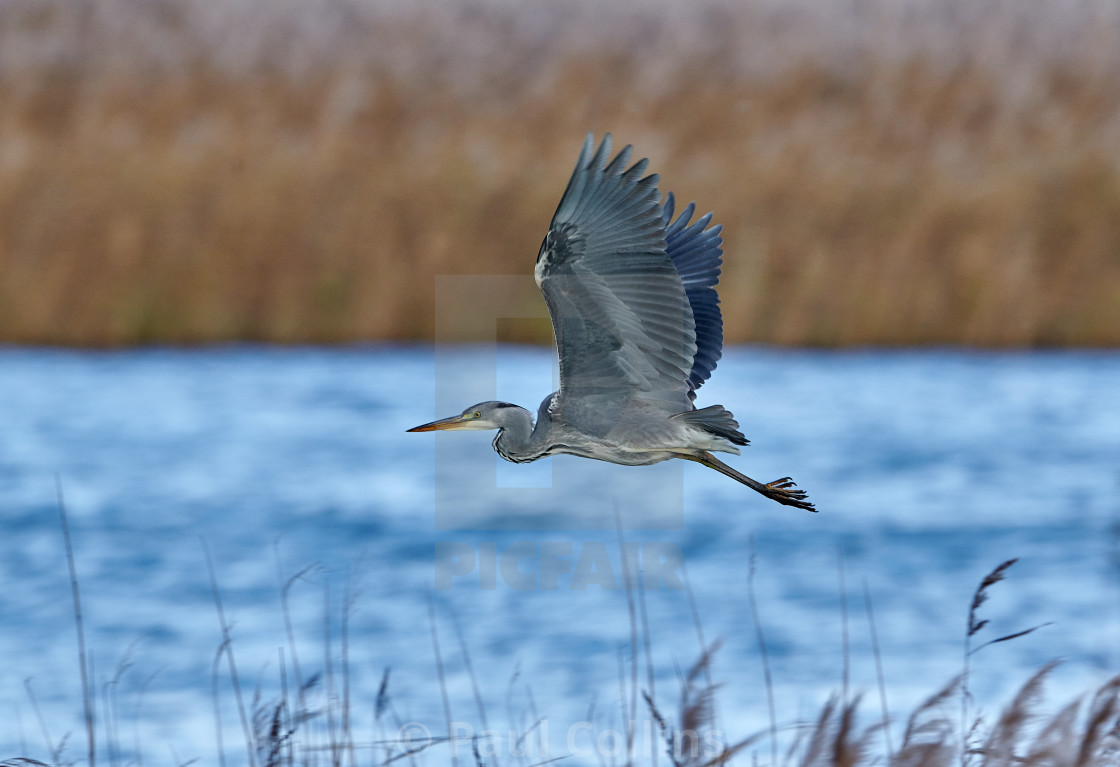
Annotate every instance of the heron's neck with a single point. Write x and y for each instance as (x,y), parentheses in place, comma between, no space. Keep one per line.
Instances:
(514,440)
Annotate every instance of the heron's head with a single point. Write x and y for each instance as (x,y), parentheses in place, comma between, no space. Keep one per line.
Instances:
(481,417)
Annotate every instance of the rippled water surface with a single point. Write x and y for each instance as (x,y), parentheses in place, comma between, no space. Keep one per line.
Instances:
(929,468)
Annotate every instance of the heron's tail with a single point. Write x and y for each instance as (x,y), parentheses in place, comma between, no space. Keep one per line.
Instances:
(780,490)
(716,420)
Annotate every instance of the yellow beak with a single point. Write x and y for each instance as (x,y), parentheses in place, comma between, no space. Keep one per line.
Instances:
(454,422)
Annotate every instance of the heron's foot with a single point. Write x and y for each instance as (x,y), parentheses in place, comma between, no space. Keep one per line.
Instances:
(782,490)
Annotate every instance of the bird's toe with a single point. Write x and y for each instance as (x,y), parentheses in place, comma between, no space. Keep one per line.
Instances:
(782,490)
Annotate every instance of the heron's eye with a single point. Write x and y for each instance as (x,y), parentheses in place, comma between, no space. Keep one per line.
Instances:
(476,414)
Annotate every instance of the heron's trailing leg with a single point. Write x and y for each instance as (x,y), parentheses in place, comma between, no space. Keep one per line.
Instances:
(780,490)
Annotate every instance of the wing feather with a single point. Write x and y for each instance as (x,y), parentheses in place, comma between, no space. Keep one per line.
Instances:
(696,251)
(623,321)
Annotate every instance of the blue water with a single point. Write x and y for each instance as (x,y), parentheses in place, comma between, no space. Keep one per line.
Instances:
(929,468)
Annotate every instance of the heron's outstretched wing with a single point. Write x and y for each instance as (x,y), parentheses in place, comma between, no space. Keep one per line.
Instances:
(697,254)
(623,322)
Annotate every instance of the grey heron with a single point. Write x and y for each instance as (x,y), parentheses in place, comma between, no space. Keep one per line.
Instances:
(631,293)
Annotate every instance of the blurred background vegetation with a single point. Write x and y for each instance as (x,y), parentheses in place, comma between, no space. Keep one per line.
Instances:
(887,171)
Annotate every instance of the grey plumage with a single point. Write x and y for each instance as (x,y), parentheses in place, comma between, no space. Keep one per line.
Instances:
(631,293)
(696,252)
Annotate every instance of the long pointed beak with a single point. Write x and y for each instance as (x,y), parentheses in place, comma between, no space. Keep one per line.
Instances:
(454,422)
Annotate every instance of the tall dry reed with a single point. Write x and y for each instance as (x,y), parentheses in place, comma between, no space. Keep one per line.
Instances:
(923,171)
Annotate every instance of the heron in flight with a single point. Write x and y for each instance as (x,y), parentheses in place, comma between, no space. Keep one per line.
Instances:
(631,293)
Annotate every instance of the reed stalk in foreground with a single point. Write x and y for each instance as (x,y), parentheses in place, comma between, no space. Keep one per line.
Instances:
(836,737)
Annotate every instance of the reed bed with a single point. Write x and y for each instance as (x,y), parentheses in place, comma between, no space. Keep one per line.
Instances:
(887,172)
